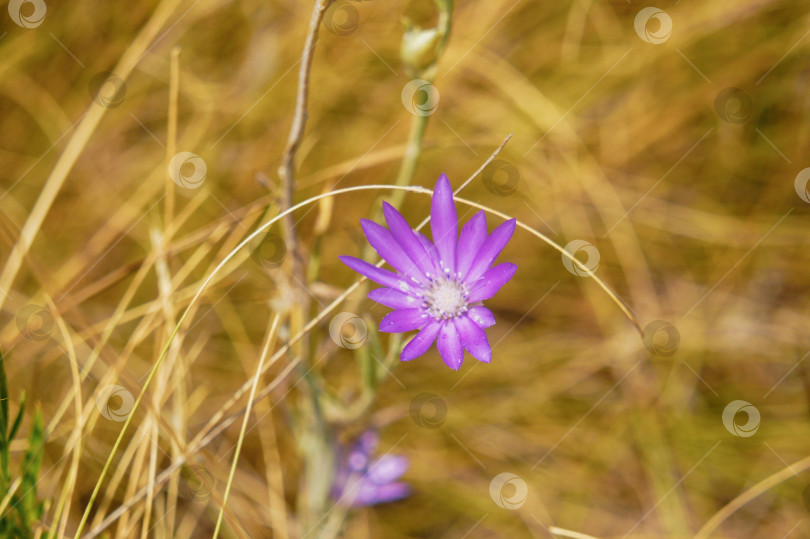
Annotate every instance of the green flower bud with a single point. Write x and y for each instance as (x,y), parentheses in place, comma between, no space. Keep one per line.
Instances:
(420,48)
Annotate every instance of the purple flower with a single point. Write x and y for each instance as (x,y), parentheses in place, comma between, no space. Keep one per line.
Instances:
(361,480)
(438,287)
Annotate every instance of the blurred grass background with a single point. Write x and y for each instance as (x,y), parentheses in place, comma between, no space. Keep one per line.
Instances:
(688,198)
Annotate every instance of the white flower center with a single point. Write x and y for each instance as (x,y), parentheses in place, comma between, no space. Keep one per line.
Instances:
(445,298)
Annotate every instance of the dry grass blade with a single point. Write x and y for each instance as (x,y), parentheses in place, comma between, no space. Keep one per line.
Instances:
(271,333)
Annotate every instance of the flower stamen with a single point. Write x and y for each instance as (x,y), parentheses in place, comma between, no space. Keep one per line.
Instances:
(445,298)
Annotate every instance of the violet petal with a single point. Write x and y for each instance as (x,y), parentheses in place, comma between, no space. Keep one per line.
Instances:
(403,320)
(386,246)
(371,494)
(482,316)
(449,345)
(492,247)
(473,235)
(394,298)
(492,281)
(473,339)
(444,222)
(380,276)
(367,442)
(406,238)
(428,245)
(387,469)
(420,344)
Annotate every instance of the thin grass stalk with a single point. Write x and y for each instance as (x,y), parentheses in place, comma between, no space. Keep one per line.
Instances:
(271,333)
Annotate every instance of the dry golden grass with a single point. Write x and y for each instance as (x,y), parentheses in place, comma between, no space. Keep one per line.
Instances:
(617,142)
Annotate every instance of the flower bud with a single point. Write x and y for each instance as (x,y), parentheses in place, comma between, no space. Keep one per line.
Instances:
(420,48)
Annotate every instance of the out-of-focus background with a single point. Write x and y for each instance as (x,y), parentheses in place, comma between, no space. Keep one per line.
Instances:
(671,141)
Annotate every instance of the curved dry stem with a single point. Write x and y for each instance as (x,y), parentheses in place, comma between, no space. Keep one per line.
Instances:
(760,488)
(566,254)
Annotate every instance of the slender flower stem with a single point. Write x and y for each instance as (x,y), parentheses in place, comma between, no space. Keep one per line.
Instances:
(287,169)
(407,171)
(410,161)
